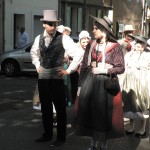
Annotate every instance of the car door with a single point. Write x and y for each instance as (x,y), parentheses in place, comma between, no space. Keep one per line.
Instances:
(26,60)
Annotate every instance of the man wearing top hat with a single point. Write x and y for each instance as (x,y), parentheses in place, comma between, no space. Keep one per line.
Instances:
(47,55)
(126,42)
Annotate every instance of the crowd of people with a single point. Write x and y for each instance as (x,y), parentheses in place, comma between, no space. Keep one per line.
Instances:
(103,93)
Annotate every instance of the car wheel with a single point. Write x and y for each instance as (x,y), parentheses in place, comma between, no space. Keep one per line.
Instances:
(11,68)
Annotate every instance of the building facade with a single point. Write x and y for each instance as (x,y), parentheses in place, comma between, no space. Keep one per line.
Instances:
(17,13)
(75,13)
(128,12)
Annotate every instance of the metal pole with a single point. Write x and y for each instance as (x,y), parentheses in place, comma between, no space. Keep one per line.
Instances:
(143,17)
(111,3)
(59,9)
(84,15)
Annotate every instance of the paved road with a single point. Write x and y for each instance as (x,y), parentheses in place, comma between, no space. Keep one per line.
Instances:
(19,126)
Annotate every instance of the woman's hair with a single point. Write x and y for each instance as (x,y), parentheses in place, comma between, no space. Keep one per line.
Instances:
(109,37)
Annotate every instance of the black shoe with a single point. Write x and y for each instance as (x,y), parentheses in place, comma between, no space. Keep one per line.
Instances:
(43,139)
(140,135)
(129,133)
(57,143)
(92,148)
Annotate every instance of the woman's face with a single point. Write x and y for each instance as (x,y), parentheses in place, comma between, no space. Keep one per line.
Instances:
(139,47)
(84,42)
(98,34)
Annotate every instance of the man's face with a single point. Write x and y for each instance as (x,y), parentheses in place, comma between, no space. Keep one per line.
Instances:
(98,34)
(128,37)
(50,27)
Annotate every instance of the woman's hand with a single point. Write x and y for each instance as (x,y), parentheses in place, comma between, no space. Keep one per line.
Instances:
(93,64)
(101,65)
(98,70)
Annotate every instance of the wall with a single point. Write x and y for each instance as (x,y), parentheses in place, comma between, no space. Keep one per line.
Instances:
(87,7)
(128,12)
(29,8)
(1,27)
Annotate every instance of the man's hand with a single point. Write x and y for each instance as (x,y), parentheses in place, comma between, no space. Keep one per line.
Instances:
(62,72)
(38,69)
(128,47)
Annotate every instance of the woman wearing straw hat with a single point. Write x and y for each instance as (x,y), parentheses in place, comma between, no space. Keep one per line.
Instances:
(47,55)
(100,112)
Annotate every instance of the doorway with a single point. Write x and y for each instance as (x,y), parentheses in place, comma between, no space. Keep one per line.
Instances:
(19,21)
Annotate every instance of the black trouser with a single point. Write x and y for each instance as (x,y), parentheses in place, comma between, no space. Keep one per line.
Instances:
(74,77)
(53,90)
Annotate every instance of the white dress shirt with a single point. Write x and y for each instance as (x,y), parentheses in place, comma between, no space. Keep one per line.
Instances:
(71,49)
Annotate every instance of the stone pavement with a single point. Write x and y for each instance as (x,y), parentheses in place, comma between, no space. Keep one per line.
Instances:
(20,126)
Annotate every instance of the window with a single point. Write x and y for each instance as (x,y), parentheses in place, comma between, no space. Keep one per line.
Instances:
(68,17)
(79,19)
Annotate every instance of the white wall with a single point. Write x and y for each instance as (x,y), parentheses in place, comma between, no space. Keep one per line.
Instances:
(29,8)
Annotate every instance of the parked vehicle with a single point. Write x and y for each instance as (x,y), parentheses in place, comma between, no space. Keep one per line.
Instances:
(16,61)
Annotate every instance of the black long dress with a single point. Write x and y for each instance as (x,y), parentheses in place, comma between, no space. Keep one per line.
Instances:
(100,112)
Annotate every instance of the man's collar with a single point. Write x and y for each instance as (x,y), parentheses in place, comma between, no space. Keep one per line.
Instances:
(47,35)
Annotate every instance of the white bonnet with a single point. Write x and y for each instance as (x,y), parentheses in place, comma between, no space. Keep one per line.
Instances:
(83,34)
(60,28)
(67,28)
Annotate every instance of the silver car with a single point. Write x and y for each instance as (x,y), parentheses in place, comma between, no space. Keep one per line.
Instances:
(19,60)
(16,61)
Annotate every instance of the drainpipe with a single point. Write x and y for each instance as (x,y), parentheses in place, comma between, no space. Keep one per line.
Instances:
(3,24)
(59,9)
(143,18)
(111,3)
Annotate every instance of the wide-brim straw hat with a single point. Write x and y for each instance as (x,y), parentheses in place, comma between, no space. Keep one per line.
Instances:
(138,38)
(106,23)
(50,16)
(129,28)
